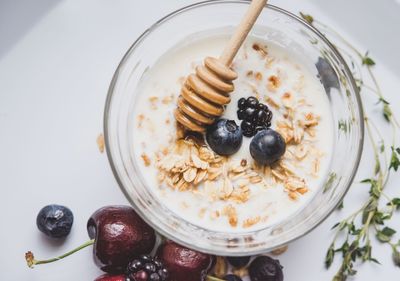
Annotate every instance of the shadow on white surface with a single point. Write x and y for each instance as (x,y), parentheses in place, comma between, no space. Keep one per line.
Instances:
(375,24)
(17,17)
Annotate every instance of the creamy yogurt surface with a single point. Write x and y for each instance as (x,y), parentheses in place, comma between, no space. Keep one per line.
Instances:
(234,194)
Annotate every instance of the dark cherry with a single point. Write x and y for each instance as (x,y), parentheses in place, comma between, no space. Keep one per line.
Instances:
(182,262)
(120,236)
(108,277)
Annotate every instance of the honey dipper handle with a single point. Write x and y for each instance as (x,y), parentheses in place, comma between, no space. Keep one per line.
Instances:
(241,31)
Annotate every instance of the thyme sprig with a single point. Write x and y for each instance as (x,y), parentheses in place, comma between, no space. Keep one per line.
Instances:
(352,239)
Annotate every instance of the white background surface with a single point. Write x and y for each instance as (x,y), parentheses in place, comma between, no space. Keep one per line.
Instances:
(56,62)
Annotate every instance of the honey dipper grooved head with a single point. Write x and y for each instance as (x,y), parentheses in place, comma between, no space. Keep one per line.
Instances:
(204,95)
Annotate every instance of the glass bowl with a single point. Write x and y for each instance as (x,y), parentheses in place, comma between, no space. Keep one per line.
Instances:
(284,29)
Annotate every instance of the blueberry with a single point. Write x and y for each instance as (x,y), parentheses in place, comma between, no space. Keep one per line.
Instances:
(264,268)
(267,147)
(55,221)
(232,277)
(224,137)
(238,262)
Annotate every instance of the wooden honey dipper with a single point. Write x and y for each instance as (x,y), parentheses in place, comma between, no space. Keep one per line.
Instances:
(204,94)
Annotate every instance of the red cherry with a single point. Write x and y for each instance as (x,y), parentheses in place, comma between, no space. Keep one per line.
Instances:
(182,262)
(108,277)
(120,235)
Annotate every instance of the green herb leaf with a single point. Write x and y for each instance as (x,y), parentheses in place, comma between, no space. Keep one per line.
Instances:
(388,231)
(366,60)
(394,160)
(365,252)
(339,277)
(308,18)
(379,217)
(377,167)
(396,257)
(382,237)
(331,179)
(382,147)
(383,100)
(375,189)
(387,112)
(371,207)
(385,234)
(329,256)
(366,181)
(374,260)
(395,202)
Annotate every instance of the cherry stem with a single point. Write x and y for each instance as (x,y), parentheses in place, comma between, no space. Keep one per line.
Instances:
(213,278)
(30,259)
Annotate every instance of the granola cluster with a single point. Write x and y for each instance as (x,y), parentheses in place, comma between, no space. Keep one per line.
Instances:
(188,165)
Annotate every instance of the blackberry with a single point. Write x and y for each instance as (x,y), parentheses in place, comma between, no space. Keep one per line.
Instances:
(146,268)
(255,116)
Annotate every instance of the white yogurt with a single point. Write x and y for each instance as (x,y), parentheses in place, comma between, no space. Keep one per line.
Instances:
(156,129)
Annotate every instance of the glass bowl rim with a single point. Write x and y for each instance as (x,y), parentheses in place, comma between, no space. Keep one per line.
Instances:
(291,15)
